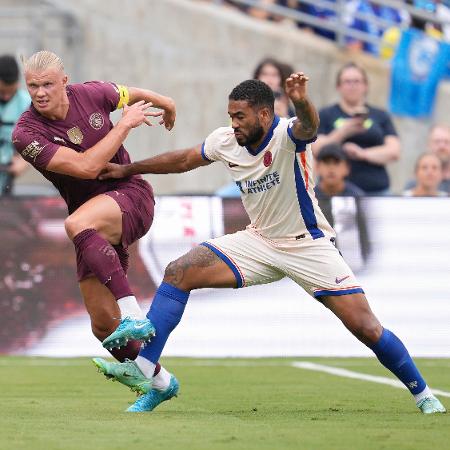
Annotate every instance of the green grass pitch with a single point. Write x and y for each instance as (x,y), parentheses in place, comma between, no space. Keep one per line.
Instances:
(231,404)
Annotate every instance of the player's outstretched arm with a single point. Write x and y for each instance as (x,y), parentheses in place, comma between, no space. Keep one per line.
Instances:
(88,165)
(307,123)
(159,101)
(178,161)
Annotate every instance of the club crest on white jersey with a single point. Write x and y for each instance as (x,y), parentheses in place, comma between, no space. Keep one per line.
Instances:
(275,180)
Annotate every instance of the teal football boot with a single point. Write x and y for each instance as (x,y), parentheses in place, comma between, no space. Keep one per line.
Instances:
(431,405)
(148,402)
(141,330)
(127,373)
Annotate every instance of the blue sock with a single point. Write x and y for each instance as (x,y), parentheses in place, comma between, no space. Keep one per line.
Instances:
(393,355)
(165,314)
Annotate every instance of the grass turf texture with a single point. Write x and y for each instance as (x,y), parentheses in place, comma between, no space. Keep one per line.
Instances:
(223,404)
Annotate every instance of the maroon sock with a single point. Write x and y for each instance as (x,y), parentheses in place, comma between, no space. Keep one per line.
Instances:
(157,369)
(129,351)
(103,261)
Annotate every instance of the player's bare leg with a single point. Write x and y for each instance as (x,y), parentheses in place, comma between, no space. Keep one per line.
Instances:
(104,312)
(105,316)
(100,213)
(94,228)
(355,313)
(199,268)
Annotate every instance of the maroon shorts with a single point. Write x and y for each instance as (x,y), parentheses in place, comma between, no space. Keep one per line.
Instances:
(136,201)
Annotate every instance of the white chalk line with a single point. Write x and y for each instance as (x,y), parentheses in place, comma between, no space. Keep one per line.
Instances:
(357,375)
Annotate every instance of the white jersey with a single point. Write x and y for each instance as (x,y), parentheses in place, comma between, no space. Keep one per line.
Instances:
(275,180)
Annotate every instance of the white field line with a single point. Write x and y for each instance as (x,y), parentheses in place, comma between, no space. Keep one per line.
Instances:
(357,375)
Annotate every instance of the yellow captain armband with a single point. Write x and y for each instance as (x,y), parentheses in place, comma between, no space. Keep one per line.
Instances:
(124,96)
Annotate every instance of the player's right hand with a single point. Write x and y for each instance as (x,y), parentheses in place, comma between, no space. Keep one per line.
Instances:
(112,170)
(137,114)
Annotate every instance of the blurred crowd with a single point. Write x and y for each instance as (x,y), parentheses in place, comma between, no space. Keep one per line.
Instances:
(13,102)
(357,141)
(377,20)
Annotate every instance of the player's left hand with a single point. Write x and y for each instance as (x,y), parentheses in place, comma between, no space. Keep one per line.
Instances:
(295,86)
(168,117)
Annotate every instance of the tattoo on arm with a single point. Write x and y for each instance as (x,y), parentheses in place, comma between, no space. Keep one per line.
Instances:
(307,116)
(198,257)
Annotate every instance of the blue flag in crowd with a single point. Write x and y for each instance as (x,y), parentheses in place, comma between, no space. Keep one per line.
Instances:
(418,66)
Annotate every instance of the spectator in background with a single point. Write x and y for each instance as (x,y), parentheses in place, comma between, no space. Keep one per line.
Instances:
(259,12)
(428,173)
(332,169)
(274,73)
(366,133)
(13,102)
(433,29)
(271,72)
(443,13)
(319,12)
(373,10)
(439,145)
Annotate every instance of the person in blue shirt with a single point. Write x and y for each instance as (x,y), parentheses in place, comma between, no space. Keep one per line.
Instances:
(13,102)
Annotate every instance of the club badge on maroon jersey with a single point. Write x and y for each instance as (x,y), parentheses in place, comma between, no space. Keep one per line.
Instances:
(75,135)
(96,121)
(267,158)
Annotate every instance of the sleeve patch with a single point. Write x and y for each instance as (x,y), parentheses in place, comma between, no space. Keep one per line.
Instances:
(32,150)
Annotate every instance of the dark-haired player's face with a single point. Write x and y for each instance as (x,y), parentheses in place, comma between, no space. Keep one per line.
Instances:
(245,122)
(47,89)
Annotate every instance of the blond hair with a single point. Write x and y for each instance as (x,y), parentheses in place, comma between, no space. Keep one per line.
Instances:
(41,61)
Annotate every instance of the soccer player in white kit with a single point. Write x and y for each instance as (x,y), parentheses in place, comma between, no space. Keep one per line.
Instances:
(271,160)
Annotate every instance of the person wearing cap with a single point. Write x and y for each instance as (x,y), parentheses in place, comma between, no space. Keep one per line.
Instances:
(13,102)
(333,168)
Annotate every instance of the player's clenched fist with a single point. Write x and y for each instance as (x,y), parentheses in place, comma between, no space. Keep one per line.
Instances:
(295,86)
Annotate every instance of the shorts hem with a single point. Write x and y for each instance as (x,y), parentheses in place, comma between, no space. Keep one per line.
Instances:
(331,292)
(229,262)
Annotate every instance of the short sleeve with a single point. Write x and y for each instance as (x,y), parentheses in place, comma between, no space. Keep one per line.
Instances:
(210,147)
(111,95)
(386,124)
(34,147)
(325,125)
(300,144)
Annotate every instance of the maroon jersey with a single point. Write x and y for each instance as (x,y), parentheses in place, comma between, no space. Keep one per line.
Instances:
(37,138)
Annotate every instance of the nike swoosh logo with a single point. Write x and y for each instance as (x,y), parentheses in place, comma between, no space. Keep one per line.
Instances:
(340,280)
(232,165)
(125,374)
(138,327)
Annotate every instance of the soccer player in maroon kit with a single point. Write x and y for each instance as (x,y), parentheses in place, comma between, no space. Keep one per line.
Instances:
(67,135)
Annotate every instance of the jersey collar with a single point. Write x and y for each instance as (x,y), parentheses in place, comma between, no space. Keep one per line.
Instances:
(266,140)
